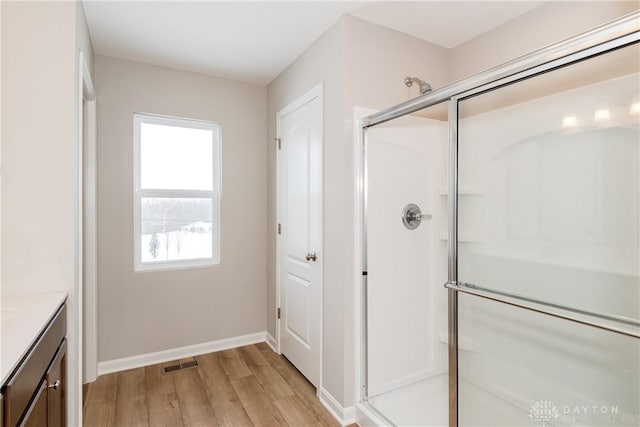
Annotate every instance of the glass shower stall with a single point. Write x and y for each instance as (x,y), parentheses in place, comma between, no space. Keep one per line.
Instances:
(500,254)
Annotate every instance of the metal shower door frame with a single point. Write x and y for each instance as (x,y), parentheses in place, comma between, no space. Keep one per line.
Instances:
(622,32)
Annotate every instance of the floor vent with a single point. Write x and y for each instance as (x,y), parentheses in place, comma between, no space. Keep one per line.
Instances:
(180,366)
(190,364)
(172,368)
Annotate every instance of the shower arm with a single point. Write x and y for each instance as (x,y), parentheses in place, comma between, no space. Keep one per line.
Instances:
(424,86)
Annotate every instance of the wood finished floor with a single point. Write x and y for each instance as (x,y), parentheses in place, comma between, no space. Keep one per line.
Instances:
(246,386)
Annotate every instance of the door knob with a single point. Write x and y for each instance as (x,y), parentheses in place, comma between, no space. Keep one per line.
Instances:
(56,385)
(311,256)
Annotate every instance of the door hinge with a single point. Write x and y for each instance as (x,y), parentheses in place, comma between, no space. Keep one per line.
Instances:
(278,312)
(279,228)
(279,141)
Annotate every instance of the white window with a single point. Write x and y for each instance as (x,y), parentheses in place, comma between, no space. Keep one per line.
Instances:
(177,192)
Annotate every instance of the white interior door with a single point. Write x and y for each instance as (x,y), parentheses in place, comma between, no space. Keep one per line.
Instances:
(300,225)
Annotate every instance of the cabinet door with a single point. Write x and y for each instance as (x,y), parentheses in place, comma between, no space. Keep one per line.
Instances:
(36,415)
(56,390)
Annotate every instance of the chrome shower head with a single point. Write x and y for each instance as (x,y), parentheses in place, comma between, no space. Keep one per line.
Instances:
(424,86)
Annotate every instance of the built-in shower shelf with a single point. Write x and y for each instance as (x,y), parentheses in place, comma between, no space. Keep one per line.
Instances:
(463,236)
(463,190)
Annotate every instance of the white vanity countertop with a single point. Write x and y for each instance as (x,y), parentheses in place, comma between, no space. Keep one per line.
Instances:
(22,319)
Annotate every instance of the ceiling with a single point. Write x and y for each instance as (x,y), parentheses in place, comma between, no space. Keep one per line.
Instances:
(256,41)
(445,23)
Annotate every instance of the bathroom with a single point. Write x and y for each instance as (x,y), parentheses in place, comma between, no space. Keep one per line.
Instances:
(367,346)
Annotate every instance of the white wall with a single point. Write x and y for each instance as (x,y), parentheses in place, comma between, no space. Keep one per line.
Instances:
(346,59)
(38,146)
(1,170)
(144,312)
(322,62)
(378,59)
(547,24)
(40,42)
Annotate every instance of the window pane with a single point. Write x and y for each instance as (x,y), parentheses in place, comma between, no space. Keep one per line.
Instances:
(175,158)
(177,228)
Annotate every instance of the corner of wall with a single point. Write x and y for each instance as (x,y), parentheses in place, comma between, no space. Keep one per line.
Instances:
(375,83)
(83,37)
(344,415)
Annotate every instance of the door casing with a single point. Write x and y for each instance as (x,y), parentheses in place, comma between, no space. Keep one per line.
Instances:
(86,272)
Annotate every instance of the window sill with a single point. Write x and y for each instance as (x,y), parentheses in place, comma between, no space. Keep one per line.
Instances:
(175,265)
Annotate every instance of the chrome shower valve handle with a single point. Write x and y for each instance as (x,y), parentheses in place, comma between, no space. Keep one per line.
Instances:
(412,216)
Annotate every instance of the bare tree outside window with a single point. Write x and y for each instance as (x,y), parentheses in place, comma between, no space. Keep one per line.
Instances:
(154,244)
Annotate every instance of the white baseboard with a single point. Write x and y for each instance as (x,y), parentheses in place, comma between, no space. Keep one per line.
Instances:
(271,341)
(141,360)
(345,416)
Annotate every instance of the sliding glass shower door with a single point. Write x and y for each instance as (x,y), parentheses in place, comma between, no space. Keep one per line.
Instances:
(548,260)
(539,219)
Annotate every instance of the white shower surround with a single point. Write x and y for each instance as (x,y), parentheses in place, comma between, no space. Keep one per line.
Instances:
(591,264)
(407,345)
(403,153)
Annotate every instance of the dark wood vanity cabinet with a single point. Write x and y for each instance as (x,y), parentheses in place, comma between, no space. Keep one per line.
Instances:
(36,415)
(34,394)
(56,388)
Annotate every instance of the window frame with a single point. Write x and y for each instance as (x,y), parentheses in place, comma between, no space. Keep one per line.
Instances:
(215,195)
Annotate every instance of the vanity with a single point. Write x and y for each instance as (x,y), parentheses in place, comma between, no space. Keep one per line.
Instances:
(33,360)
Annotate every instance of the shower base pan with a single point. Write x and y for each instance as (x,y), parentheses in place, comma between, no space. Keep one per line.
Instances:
(424,403)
